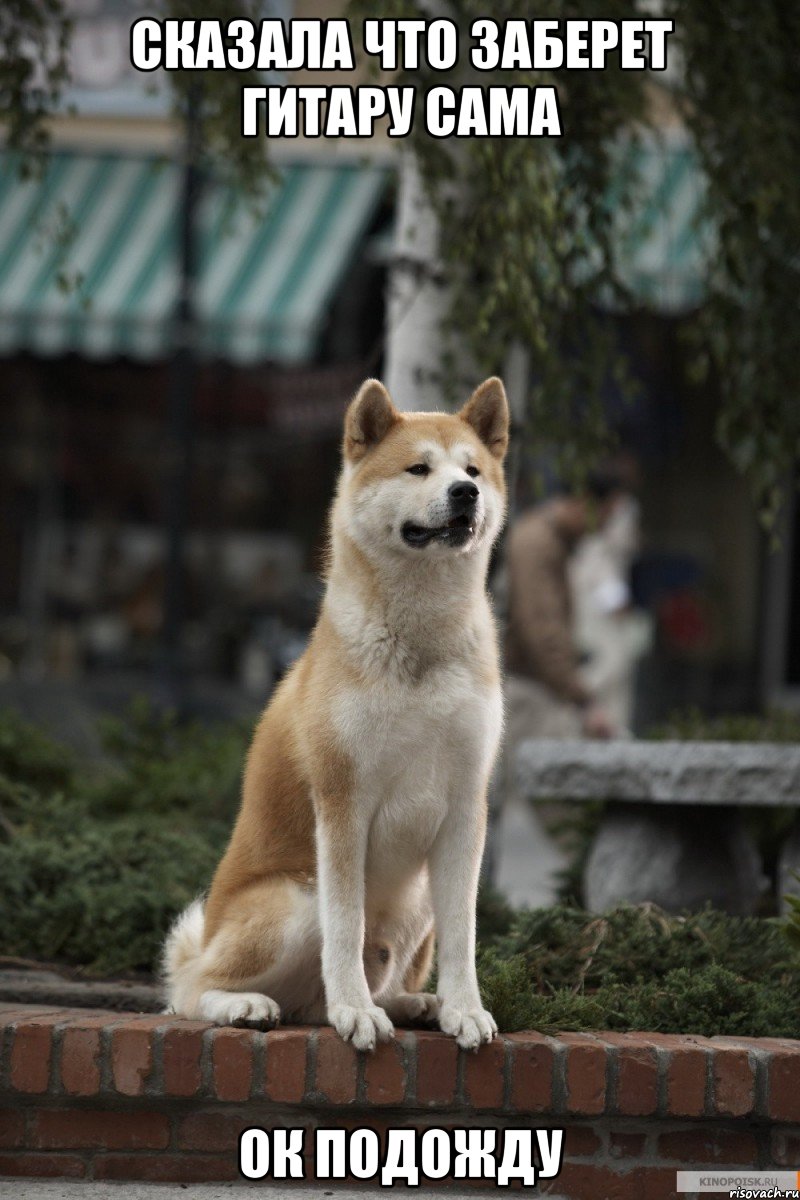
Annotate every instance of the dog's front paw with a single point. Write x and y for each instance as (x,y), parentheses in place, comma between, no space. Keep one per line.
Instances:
(249,1009)
(413,1006)
(469,1026)
(361,1026)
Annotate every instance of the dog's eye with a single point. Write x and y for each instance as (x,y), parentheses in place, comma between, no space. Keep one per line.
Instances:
(419,469)
(472,471)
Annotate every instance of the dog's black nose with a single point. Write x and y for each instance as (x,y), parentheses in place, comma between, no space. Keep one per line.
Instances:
(462,494)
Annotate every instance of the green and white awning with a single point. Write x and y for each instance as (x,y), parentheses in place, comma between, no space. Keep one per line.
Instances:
(663,245)
(89,254)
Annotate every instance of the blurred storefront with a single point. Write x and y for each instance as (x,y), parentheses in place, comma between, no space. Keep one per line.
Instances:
(289,317)
(287,309)
(288,312)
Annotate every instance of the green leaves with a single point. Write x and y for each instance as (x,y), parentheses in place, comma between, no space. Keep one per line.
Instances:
(518,214)
(791,926)
(217,96)
(512,213)
(34,36)
(742,107)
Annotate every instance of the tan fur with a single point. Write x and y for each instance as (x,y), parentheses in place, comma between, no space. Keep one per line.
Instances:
(304,770)
(417,974)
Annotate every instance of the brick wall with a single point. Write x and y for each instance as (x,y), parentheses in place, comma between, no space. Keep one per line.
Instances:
(118,1096)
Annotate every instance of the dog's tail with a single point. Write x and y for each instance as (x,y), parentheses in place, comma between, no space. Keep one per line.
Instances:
(182,950)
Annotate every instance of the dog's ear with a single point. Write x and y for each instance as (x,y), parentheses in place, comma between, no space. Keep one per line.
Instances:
(369,418)
(487,412)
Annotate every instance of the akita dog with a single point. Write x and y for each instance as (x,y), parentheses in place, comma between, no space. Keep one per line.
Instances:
(363,814)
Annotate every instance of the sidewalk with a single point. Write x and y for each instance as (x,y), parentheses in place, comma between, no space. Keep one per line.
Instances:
(527,858)
(59,1189)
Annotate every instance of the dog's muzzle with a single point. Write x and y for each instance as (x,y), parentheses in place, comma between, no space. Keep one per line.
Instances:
(462,498)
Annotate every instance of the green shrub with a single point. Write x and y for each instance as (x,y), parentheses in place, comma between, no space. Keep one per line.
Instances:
(30,756)
(95,863)
(710,1002)
(100,894)
(567,947)
(692,725)
(160,765)
(637,968)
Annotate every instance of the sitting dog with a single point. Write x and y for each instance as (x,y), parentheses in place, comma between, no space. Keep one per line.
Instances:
(363,813)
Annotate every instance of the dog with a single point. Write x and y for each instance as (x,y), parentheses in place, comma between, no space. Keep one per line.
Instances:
(363,812)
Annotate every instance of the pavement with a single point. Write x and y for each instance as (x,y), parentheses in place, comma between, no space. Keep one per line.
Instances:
(526,859)
(57,1189)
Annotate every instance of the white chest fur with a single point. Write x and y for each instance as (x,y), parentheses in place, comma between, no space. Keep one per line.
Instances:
(416,750)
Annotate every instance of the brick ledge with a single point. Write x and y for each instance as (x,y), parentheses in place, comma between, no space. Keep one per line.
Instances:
(122,1095)
(79,1053)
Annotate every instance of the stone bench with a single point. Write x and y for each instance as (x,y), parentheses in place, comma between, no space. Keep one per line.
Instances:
(672,832)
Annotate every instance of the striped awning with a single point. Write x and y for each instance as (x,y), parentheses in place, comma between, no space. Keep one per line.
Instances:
(663,245)
(89,257)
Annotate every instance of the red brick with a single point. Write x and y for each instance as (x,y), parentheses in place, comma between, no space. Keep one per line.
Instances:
(78,1129)
(709,1147)
(770,1044)
(132,1057)
(80,1061)
(437,1064)
(750,1043)
(211,1131)
(687,1072)
(734,1083)
(232,1063)
(581,1141)
(586,1075)
(585,1181)
(483,1075)
(12,1128)
(626,1145)
(286,1065)
(532,1060)
(31,1053)
(385,1073)
(11,1013)
(688,1058)
(91,1018)
(17,1013)
(167,1168)
(182,1049)
(784,1085)
(337,1068)
(785,1147)
(378,1125)
(637,1074)
(657,1183)
(42,1166)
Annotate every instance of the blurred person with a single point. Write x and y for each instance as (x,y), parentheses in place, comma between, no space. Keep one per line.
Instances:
(547,695)
(611,634)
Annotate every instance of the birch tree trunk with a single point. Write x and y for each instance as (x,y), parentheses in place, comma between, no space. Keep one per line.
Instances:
(418,298)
